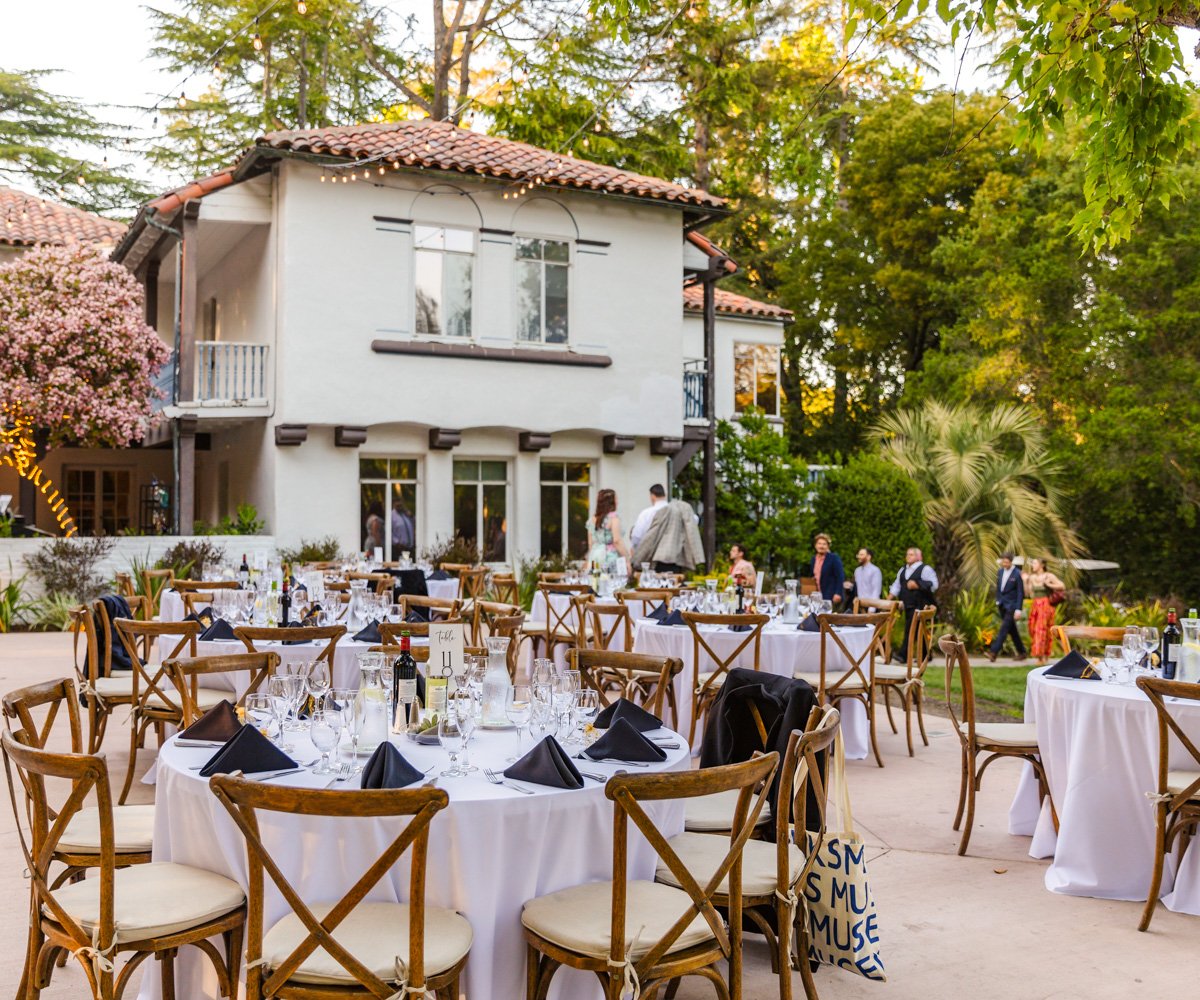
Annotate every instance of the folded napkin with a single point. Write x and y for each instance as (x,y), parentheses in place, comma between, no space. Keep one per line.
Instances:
(739,628)
(623,742)
(1074,665)
(369,634)
(418,615)
(659,613)
(247,751)
(311,618)
(293,642)
(674,618)
(387,768)
(635,715)
(220,629)
(204,617)
(810,624)
(546,764)
(219,723)
(438,574)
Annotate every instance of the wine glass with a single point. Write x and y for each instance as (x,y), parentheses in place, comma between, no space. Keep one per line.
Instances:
(450,736)
(1149,644)
(1114,661)
(318,680)
(1131,643)
(325,729)
(518,706)
(347,703)
(587,707)
(259,713)
(280,691)
(543,672)
(566,694)
(462,705)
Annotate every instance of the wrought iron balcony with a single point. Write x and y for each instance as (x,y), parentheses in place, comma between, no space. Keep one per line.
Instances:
(694,376)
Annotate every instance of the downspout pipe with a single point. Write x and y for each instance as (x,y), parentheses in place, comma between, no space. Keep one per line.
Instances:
(177,312)
(717,269)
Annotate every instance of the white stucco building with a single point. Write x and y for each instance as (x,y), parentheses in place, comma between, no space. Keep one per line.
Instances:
(472,335)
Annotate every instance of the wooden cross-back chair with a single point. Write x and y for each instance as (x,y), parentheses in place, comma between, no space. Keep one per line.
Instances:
(156,702)
(187,674)
(1070,636)
(637,935)
(154,582)
(505,589)
(551,577)
(706,684)
(182,587)
(438,608)
(334,947)
(563,625)
(125,586)
(484,615)
(648,598)
(908,681)
(389,633)
(1177,796)
(609,626)
(100,689)
(874,605)
(640,677)
(773,873)
(135,911)
(856,680)
(195,601)
(328,634)
(508,628)
(991,740)
(472,582)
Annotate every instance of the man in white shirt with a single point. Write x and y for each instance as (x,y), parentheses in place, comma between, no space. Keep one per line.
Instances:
(658,497)
(868,579)
(914,587)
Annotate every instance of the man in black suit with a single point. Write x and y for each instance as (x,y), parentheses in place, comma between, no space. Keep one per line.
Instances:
(913,587)
(1010,600)
(829,572)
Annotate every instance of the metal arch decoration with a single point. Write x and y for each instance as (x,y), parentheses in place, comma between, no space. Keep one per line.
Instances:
(18,450)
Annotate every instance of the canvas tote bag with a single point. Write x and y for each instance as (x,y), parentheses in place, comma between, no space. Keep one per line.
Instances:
(843,929)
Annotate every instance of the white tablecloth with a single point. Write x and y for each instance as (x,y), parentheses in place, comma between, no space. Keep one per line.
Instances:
(1099,744)
(560,603)
(489,851)
(785,649)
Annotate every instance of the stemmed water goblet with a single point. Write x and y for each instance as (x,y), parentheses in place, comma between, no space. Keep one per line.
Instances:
(259,712)
(280,690)
(566,694)
(346,700)
(450,736)
(463,707)
(1131,643)
(587,707)
(1149,645)
(325,730)
(518,706)
(1114,664)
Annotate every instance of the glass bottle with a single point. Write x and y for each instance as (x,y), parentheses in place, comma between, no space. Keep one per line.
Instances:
(496,682)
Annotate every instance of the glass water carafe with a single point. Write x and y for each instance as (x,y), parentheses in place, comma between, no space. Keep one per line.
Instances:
(1188,668)
(791,601)
(372,705)
(496,682)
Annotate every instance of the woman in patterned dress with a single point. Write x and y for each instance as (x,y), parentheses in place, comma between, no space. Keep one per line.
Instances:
(604,533)
(1039,584)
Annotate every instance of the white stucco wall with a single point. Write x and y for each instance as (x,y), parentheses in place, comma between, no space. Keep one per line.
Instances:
(730,330)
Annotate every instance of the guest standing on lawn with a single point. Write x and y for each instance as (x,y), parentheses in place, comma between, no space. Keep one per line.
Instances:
(827,570)
(1041,585)
(1010,602)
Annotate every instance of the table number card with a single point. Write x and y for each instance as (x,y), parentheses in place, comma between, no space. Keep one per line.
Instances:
(314,583)
(260,561)
(445,650)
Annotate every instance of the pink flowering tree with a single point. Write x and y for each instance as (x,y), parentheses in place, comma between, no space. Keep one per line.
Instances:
(77,360)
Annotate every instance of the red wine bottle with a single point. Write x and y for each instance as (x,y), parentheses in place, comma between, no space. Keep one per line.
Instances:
(1171,645)
(285,600)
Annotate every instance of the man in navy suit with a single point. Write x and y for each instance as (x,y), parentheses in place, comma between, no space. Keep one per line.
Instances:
(828,570)
(1010,599)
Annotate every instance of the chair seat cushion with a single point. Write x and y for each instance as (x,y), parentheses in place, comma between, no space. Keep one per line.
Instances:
(579,919)
(703,853)
(852,686)
(133,830)
(1004,734)
(206,698)
(1177,781)
(117,686)
(714,813)
(890,672)
(374,933)
(153,900)
(531,625)
(705,676)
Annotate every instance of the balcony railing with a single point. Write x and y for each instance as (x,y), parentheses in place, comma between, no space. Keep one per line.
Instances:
(164,381)
(231,373)
(693,391)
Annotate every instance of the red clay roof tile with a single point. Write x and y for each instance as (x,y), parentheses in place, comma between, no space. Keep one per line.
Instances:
(27,220)
(733,304)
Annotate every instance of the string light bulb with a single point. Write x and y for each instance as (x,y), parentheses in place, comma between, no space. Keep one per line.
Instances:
(322,177)
(182,99)
(256,41)
(301,7)
(82,180)
(382,170)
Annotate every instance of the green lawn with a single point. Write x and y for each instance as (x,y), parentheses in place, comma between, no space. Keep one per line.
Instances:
(1001,689)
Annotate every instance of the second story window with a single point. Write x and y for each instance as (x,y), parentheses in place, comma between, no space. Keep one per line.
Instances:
(542,269)
(756,378)
(444,265)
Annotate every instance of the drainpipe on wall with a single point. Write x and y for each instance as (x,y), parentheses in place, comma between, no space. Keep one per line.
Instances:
(716,271)
(177,323)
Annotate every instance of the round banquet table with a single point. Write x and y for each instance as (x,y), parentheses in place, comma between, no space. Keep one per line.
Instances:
(490,850)
(1099,745)
(785,650)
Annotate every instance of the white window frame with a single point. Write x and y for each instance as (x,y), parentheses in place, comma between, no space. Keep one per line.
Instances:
(754,345)
(516,307)
(564,484)
(441,335)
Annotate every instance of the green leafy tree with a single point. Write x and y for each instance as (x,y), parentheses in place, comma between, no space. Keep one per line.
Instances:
(988,482)
(39,132)
(871,503)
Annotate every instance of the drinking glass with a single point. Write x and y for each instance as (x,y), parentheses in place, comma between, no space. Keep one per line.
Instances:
(280,692)
(395,613)
(450,736)
(543,672)
(462,705)
(1114,662)
(259,713)
(347,702)
(1149,645)
(325,729)
(1131,643)
(518,706)
(318,681)
(567,686)
(587,707)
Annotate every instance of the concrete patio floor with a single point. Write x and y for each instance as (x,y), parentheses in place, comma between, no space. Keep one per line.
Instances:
(981,927)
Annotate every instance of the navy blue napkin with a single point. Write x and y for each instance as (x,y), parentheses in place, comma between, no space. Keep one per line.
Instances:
(370,633)
(546,764)
(810,624)
(220,629)
(739,628)
(204,616)
(659,613)
(635,715)
(438,574)
(674,618)
(247,751)
(1074,665)
(623,742)
(387,768)
(219,723)
(293,642)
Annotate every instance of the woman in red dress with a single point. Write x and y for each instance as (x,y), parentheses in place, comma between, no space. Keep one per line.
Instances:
(1040,583)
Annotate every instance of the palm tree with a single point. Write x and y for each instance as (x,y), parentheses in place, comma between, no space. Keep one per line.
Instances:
(988,483)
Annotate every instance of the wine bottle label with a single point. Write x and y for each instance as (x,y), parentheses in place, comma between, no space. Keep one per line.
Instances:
(406,690)
(435,694)
(1173,652)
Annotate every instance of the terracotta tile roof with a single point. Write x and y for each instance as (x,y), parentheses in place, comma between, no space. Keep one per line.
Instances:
(27,220)
(442,146)
(710,249)
(733,304)
(195,189)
